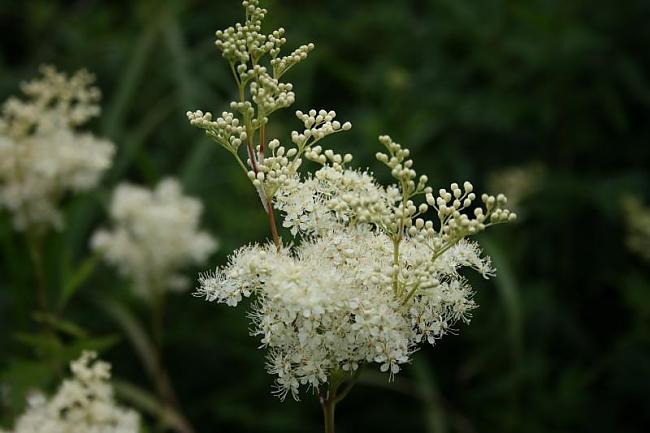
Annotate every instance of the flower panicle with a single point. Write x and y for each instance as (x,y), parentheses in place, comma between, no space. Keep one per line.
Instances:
(44,155)
(82,403)
(373,271)
(155,234)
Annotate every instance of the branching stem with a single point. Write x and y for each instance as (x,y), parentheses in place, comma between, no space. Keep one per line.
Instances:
(330,397)
(329,408)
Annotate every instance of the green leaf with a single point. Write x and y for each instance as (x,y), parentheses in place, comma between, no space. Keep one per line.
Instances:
(60,325)
(74,283)
(45,345)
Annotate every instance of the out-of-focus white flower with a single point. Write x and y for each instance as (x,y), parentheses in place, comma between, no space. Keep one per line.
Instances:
(82,404)
(638,227)
(43,155)
(155,234)
(518,182)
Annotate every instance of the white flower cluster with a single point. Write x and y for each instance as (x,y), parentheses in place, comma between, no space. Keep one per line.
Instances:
(318,204)
(371,278)
(43,155)
(83,404)
(329,305)
(155,234)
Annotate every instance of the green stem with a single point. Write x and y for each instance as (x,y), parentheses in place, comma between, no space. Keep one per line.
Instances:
(238,159)
(269,201)
(410,294)
(328,403)
(348,387)
(274,227)
(330,397)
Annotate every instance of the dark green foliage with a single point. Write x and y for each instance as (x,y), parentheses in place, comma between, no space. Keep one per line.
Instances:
(561,341)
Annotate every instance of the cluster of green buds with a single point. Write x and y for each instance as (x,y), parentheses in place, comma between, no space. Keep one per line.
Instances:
(269,93)
(276,169)
(401,167)
(283,64)
(328,157)
(363,209)
(226,130)
(452,206)
(243,41)
(457,214)
(318,125)
(267,164)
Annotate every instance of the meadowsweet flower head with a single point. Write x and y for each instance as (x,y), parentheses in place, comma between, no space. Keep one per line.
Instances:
(155,233)
(82,404)
(43,154)
(329,304)
(373,271)
(344,297)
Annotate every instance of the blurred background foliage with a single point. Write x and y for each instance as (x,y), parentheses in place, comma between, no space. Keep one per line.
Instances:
(561,341)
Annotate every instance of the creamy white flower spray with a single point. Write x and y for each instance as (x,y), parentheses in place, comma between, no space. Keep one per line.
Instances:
(373,271)
(44,155)
(154,234)
(82,404)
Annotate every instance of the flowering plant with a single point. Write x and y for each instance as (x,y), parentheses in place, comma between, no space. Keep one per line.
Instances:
(373,271)
(82,404)
(43,155)
(44,158)
(142,245)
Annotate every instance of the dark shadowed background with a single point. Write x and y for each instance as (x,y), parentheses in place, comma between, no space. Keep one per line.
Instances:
(557,90)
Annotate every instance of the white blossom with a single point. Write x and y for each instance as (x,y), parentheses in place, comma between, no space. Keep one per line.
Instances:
(371,271)
(154,235)
(82,404)
(333,196)
(338,300)
(43,155)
